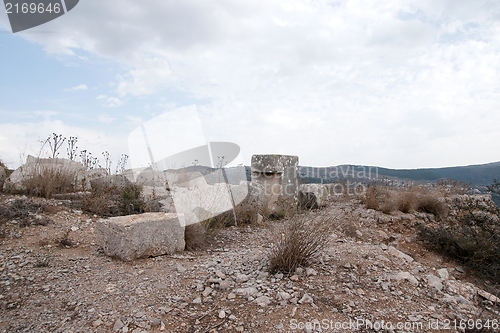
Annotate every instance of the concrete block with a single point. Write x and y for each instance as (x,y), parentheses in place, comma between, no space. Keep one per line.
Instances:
(278,176)
(313,195)
(140,236)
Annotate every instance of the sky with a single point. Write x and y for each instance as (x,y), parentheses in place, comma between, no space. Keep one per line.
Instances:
(390,83)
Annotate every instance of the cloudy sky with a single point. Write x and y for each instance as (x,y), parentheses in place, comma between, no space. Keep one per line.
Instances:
(393,83)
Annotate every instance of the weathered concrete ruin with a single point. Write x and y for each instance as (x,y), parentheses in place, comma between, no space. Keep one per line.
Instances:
(313,196)
(277,178)
(184,197)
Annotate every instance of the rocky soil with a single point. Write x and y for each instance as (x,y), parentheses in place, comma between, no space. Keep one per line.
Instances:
(375,276)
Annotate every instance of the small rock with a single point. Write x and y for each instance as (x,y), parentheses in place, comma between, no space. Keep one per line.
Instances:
(196,300)
(222,314)
(406,276)
(155,322)
(225,284)
(263,300)
(460,269)
(118,325)
(220,274)
(240,278)
(395,252)
(435,282)
(294,278)
(443,273)
(207,291)
(231,296)
(180,268)
(249,291)
(306,299)
(299,271)
(488,296)
(97,323)
(284,295)
(311,271)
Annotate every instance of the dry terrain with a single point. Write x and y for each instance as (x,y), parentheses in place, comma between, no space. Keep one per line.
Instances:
(374,276)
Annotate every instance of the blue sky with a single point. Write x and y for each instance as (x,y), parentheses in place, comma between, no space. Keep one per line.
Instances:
(400,84)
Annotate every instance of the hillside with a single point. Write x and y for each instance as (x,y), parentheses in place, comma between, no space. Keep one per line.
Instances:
(478,175)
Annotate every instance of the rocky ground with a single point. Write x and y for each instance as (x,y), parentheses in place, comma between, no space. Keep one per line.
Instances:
(374,276)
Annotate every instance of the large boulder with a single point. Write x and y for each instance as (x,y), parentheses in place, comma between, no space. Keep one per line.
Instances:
(185,179)
(140,236)
(110,182)
(313,195)
(44,166)
(150,177)
(41,166)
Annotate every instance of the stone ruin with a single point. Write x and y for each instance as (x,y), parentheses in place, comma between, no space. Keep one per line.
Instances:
(276,178)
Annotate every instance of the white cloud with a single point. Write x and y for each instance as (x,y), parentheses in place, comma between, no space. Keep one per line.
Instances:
(109,102)
(401,84)
(77,88)
(105,118)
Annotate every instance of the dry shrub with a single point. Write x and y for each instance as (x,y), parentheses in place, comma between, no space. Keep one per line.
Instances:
(389,205)
(47,181)
(24,210)
(108,198)
(472,237)
(407,201)
(66,242)
(375,196)
(371,198)
(300,240)
(428,203)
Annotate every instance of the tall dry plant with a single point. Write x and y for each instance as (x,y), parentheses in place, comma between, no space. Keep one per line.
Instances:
(299,241)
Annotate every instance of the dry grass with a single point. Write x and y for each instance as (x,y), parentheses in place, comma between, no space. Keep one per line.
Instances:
(196,236)
(405,200)
(299,241)
(471,237)
(109,198)
(48,181)
(429,203)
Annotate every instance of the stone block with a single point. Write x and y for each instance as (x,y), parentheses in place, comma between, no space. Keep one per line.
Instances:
(36,166)
(313,195)
(141,236)
(278,176)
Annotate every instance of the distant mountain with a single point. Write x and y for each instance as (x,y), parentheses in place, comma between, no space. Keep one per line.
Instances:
(478,175)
